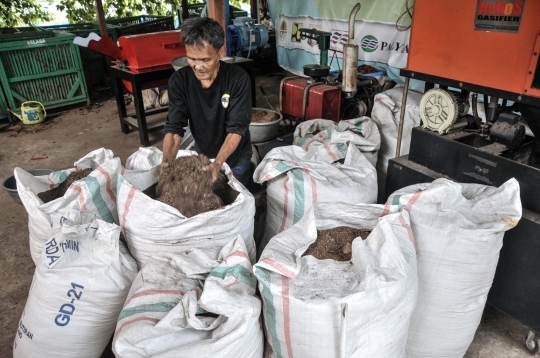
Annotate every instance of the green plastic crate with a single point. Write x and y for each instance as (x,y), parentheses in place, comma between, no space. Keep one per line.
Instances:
(47,70)
(95,64)
(24,33)
(142,24)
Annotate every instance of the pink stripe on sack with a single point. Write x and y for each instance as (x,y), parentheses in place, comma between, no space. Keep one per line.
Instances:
(122,171)
(108,185)
(313,186)
(406,226)
(81,195)
(386,210)
(52,183)
(153,292)
(286,315)
(282,269)
(155,320)
(332,155)
(239,253)
(413,200)
(126,211)
(232,284)
(286,203)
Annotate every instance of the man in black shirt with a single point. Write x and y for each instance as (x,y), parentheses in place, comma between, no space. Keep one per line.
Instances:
(214,97)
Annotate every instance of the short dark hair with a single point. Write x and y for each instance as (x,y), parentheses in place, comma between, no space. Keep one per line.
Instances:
(199,31)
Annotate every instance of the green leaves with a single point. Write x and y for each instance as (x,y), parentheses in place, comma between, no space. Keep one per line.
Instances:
(14,12)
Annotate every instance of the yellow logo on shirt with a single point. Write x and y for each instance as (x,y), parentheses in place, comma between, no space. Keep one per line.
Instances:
(225,100)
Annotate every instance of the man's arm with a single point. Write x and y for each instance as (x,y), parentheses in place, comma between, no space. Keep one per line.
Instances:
(171,145)
(229,146)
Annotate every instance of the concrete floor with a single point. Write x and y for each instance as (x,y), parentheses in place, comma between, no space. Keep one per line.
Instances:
(69,135)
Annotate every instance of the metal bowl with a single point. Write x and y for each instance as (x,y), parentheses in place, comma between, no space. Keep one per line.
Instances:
(264,132)
(10,184)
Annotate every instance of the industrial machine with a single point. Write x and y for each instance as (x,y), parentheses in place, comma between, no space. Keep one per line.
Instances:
(489,48)
(316,97)
(244,35)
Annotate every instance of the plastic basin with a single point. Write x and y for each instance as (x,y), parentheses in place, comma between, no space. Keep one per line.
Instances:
(10,184)
(264,132)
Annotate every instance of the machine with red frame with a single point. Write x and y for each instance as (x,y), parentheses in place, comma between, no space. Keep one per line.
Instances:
(489,48)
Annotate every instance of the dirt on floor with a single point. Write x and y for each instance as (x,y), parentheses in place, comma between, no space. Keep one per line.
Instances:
(336,243)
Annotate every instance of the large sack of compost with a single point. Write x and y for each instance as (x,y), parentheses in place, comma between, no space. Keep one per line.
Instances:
(151,226)
(80,284)
(458,230)
(303,295)
(298,178)
(91,191)
(192,304)
(386,114)
(362,132)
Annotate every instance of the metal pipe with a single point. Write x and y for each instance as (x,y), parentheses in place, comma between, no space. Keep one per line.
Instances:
(343,340)
(475,110)
(352,16)
(402,116)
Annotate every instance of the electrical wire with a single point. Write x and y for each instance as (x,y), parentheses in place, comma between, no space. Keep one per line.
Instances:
(407,11)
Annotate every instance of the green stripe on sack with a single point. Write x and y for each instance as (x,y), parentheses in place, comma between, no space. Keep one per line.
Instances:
(239,272)
(282,167)
(301,141)
(299,195)
(395,201)
(97,199)
(61,175)
(154,307)
(343,148)
(270,313)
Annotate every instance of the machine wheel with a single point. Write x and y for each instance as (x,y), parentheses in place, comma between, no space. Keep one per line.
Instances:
(533,342)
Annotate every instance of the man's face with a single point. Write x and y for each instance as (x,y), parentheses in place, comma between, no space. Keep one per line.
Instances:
(204,60)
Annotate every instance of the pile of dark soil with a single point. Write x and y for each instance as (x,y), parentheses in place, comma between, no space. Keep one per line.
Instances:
(258,116)
(186,187)
(336,243)
(61,189)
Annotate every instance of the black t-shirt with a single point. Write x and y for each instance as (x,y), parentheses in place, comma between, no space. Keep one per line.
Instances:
(224,107)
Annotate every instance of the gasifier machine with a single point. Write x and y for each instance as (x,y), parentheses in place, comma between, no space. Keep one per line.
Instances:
(465,50)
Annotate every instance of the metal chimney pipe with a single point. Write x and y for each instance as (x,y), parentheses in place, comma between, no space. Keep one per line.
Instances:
(350,59)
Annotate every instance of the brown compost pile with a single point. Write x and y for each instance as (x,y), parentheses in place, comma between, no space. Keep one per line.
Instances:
(188,188)
(336,243)
(61,189)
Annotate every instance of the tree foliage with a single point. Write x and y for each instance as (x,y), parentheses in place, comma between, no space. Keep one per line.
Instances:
(14,12)
(29,12)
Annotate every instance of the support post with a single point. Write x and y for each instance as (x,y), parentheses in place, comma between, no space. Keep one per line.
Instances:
(216,11)
(402,116)
(101,19)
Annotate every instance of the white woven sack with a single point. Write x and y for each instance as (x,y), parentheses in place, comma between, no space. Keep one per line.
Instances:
(80,284)
(361,131)
(145,158)
(458,229)
(386,113)
(161,317)
(302,296)
(151,226)
(298,178)
(40,215)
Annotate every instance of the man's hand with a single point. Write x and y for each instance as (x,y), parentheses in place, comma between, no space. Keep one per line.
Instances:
(214,168)
(164,167)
